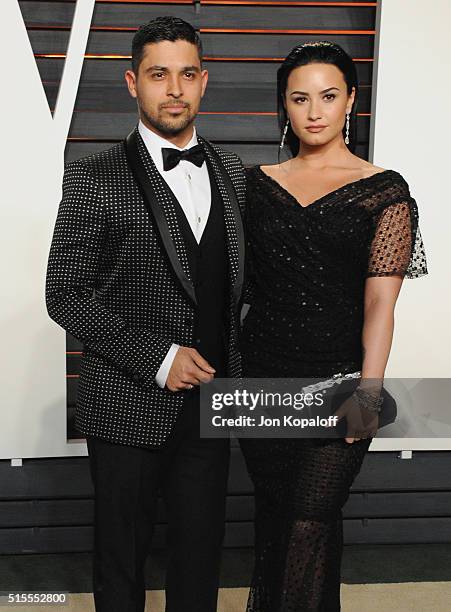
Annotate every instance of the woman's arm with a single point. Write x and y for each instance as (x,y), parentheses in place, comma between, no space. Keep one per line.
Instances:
(381,294)
(396,252)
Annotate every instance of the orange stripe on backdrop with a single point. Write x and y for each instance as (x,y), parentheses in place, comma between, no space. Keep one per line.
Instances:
(239,31)
(87,56)
(206,58)
(241,113)
(145,1)
(275,3)
(286,3)
(257,113)
(239,2)
(266,59)
(64,28)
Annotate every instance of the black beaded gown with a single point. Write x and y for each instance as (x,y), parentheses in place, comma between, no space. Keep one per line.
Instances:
(306,270)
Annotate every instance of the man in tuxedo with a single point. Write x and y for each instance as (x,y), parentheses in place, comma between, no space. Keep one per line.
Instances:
(146,270)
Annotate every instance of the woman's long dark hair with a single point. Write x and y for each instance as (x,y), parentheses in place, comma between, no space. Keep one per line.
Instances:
(322,52)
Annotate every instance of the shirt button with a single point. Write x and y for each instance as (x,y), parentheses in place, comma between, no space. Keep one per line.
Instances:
(188,176)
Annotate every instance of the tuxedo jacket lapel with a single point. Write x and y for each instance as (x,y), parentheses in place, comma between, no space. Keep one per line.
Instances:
(232,219)
(161,207)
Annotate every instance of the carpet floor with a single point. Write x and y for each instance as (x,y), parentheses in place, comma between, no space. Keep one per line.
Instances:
(398,578)
(404,597)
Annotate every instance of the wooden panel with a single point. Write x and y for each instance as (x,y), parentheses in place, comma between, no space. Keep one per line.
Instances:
(427,471)
(215,44)
(46,540)
(69,477)
(398,530)
(80,539)
(71,387)
(72,344)
(42,513)
(131,16)
(60,512)
(46,479)
(388,505)
(287,17)
(59,14)
(273,45)
(396,504)
(237,534)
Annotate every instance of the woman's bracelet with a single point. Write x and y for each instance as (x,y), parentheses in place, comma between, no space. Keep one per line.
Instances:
(369,401)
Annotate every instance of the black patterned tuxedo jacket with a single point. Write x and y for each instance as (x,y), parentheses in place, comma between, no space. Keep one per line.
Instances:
(118,280)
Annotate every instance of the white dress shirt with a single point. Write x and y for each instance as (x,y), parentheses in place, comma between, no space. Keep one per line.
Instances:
(191,186)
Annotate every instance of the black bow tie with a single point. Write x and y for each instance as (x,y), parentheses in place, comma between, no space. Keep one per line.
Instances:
(171,157)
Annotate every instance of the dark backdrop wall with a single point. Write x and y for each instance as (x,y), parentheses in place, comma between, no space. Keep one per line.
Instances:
(46,505)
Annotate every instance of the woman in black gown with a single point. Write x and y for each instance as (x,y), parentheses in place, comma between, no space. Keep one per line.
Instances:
(330,239)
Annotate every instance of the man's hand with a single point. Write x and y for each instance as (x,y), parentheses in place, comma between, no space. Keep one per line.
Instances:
(189,368)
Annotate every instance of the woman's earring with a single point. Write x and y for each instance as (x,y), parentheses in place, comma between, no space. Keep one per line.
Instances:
(347,129)
(285,130)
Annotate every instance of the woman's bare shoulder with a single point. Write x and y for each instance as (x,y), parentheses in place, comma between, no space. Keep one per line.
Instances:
(270,167)
(275,169)
(369,169)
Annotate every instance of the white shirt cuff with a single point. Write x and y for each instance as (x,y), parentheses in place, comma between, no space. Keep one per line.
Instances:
(163,372)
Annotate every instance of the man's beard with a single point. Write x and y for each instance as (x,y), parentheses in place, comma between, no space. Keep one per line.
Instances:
(166,127)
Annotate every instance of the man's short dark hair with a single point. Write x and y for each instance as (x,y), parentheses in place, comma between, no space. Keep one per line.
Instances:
(158,30)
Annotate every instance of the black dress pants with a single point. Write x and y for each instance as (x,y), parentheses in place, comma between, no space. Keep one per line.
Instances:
(191,474)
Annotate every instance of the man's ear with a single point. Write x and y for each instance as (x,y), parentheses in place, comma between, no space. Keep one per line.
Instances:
(204,77)
(130,79)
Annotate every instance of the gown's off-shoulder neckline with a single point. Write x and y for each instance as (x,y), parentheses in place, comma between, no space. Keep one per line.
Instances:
(351,184)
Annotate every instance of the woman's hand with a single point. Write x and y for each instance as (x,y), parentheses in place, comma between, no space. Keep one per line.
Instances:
(361,422)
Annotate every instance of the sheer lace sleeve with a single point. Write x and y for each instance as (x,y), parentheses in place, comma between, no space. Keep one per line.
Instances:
(397,246)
